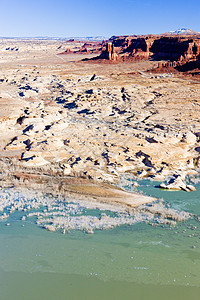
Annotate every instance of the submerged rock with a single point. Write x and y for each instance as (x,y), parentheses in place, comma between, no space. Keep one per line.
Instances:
(66,214)
(177,183)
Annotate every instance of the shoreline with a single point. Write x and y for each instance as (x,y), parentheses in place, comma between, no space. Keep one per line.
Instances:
(86,210)
(78,188)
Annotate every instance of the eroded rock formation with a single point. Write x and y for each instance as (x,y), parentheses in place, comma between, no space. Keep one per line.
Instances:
(79,47)
(180,52)
(109,52)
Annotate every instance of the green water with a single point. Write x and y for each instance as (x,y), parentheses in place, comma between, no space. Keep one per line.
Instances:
(129,262)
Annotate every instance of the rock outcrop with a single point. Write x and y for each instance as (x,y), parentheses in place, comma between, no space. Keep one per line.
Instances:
(175,48)
(182,53)
(109,52)
(67,51)
(177,183)
(84,48)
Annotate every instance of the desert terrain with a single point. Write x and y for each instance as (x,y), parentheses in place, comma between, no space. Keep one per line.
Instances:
(73,125)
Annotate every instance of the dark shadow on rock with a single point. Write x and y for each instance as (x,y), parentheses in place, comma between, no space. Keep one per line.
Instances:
(85,111)
(71,105)
(30,127)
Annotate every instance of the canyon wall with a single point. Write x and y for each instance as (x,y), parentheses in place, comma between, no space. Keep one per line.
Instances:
(178,51)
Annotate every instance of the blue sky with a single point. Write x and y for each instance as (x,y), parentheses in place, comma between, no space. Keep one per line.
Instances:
(88,18)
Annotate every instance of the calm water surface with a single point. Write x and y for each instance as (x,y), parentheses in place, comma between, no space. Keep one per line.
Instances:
(129,262)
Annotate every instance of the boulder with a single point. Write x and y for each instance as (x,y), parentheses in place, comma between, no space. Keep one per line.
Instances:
(177,183)
(189,138)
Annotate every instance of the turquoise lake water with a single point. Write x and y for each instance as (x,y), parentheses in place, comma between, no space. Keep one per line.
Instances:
(128,262)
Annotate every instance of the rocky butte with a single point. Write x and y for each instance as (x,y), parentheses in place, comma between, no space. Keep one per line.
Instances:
(182,51)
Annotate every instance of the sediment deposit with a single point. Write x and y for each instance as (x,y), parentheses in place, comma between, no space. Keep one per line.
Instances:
(65,214)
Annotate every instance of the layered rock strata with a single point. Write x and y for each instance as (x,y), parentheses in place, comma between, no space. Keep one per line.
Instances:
(182,52)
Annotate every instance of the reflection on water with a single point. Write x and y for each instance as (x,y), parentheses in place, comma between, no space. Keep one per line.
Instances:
(129,262)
